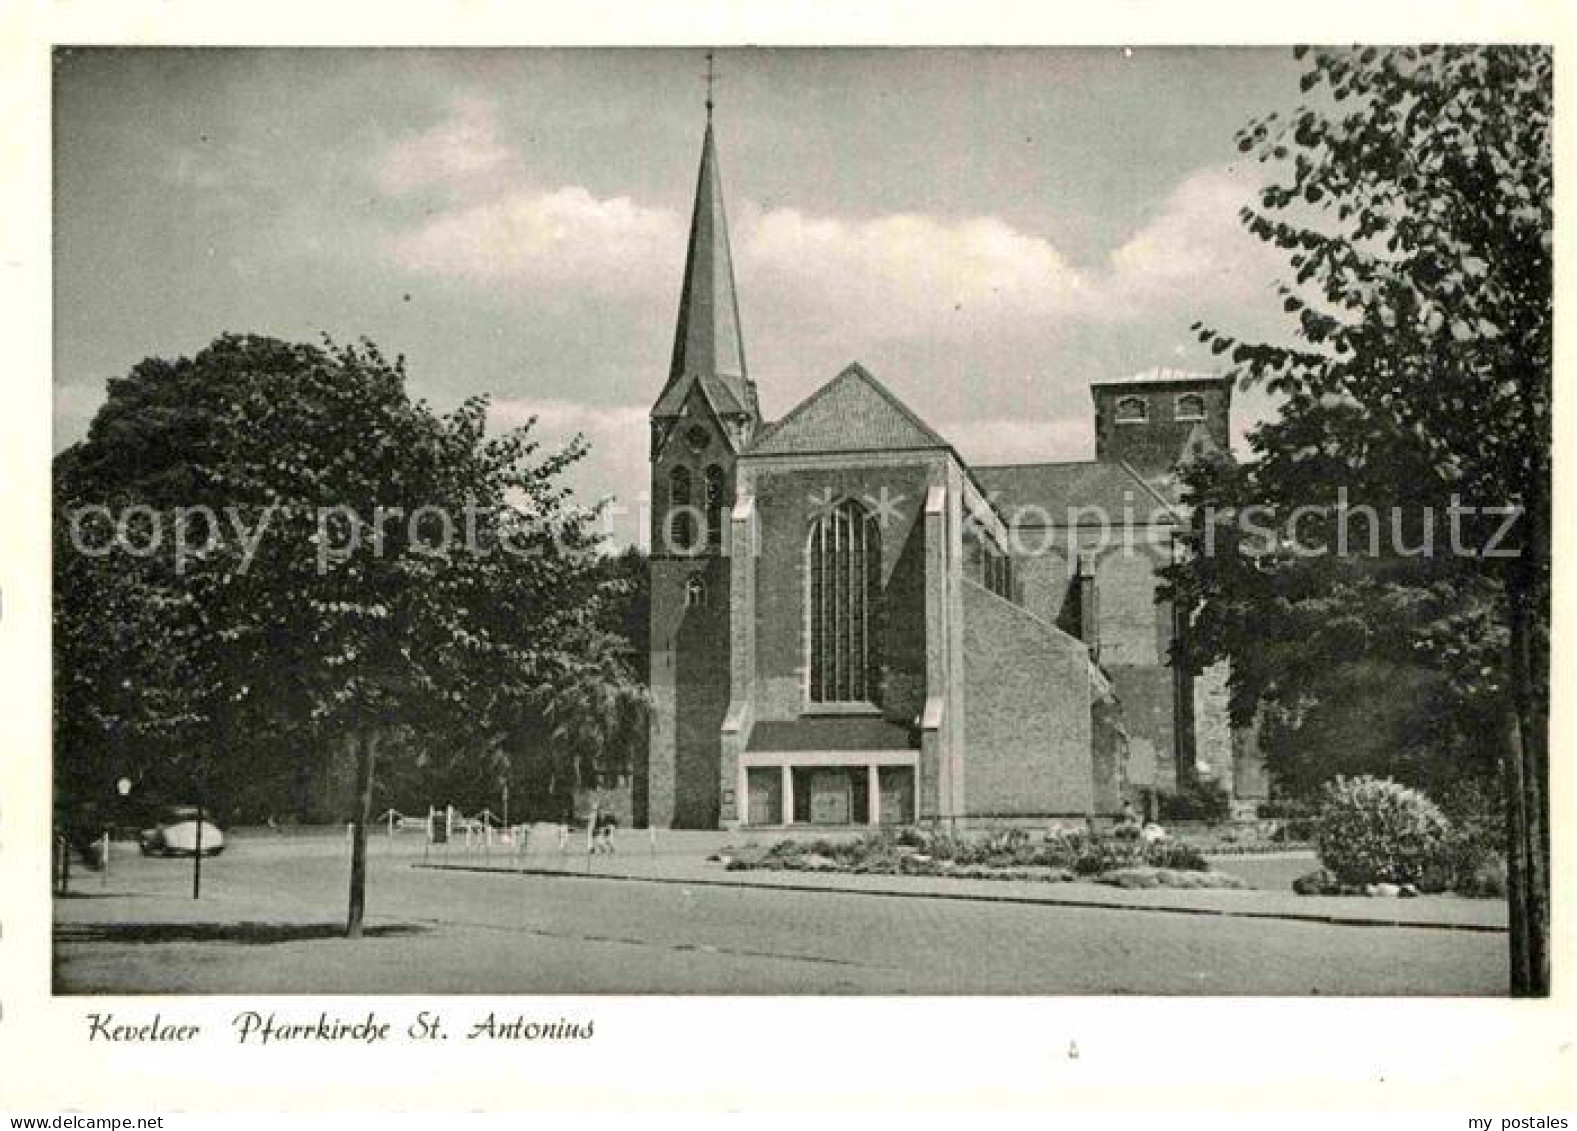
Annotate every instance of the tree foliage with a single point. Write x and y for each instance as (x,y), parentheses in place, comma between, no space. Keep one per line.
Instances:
(1412,198)
(328,562)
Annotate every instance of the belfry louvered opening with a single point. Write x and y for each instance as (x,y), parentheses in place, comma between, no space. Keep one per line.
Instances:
(845,571)
(716,505)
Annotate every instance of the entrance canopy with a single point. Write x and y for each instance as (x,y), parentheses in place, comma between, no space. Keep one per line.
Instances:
(829,788)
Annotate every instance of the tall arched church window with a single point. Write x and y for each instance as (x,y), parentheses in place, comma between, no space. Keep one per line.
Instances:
(1190,406)
(681,521)
(1132,410)
(715,505)
(844,567)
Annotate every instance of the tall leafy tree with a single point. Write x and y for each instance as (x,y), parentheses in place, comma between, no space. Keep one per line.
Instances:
(1412,197)
(595,717)
(338,562)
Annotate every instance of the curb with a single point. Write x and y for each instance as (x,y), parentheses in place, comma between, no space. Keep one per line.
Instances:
(982,897)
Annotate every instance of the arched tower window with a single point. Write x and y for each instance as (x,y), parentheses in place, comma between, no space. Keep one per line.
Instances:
(1190,406)
(844,564)
(695,593)
(681,522)
(715,505)
(1132,410)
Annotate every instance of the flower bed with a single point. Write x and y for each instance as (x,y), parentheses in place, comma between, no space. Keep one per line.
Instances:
(1010,854)
(1149,877)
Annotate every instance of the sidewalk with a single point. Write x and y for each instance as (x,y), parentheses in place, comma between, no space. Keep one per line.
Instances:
(1442,912)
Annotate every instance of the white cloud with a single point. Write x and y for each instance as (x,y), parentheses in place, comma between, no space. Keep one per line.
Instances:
(458,152)
(902,277)
(1194,249)
(898,277)
(908,274)
(566,238)
(978,287)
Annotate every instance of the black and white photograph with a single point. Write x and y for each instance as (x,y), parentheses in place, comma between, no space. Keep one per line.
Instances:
(694,522)
(751,521)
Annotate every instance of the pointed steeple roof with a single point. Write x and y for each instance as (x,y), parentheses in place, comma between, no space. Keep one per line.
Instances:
(708,346)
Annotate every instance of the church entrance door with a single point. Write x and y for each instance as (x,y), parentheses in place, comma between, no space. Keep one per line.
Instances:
(766,797)
(831,797)
(897,795)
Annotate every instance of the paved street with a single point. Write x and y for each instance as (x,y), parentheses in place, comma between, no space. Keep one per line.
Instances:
(271,912)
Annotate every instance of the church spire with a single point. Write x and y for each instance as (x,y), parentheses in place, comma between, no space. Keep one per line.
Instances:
(711,78)
(707,341)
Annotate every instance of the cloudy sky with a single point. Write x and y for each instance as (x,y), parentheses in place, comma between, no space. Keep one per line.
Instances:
(987,231)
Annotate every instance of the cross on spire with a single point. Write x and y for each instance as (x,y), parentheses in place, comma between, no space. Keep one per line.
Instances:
(710,79)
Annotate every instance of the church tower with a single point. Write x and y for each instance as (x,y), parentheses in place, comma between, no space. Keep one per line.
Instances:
(1156,420)
(704,417)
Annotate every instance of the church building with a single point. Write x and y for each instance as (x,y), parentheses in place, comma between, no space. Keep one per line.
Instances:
(851,625)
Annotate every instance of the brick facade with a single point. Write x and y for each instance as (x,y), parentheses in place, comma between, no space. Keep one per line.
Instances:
(1010,667)
(1184,414)
(1028,705)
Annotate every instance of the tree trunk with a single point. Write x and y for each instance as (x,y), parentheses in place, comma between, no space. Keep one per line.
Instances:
(1527,825)
(197,852)
(1528,829)
(1516,858)
(366,752)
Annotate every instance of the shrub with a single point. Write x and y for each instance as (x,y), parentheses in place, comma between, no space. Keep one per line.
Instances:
(1093,856)
(1061,849)
(1296,830)
(1178,857)
(1486,881)
(1474,806)
(1197,801)
(1471,861)
(938,846)
(1372,830)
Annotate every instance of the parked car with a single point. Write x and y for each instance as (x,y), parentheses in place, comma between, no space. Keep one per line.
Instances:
(176,835)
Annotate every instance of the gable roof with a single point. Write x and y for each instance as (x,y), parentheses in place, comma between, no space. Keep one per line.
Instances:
(1057,488)
(854,412)
(717,393)
(669,424)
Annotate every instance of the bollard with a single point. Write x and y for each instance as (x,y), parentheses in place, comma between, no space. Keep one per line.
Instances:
(104,861)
